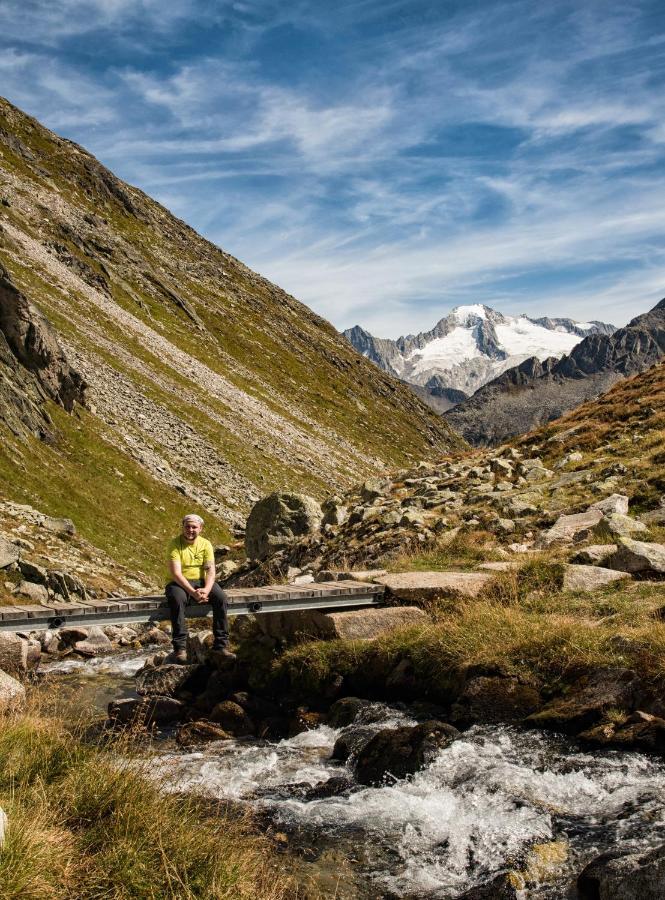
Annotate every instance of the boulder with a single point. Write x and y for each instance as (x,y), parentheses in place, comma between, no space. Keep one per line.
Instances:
(426,587)
(334,512)
(9,553)
(624,876)
(232,718)
(590,578)
(356,624)
(595,554)
(640,731)
(345,711)
(155,635)
(571,529)
(615,503)
(398,752)
(374,488)
(588,700)
(200,732)
(146,711)
(164,680)
(33,572)
(487,699)
(638,557)
(624,526)
(506,886)
(58,525)
(350,741)
(36,593)
(13,653)
(95,644)
(12,693)
(277,520)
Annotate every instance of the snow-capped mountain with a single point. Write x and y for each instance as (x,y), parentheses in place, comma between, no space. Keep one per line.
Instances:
(471,346)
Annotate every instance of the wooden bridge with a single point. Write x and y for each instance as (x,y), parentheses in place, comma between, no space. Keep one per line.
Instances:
(326,596)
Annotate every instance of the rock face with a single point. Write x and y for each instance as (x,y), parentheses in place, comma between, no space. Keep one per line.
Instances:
(12,693)
(536,392)
(279,519)
(34,363)
(398,752)
(624,876)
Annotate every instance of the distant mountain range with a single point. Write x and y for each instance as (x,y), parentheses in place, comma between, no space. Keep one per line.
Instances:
(470,347)
(536,392)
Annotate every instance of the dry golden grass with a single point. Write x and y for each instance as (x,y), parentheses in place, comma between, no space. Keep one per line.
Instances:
(86,824)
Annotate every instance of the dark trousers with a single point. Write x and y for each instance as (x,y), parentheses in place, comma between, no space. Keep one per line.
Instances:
(178,599)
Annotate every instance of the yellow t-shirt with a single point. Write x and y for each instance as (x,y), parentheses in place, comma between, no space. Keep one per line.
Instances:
(192,557)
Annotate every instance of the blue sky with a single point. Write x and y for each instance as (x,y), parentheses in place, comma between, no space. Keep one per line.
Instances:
(382,160)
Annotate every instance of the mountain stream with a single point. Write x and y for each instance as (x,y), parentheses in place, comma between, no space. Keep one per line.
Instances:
(477,810)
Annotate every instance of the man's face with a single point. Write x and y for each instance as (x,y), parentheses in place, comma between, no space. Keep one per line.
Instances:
(191,530)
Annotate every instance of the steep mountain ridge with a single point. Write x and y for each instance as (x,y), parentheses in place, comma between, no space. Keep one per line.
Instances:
(204,380)
(469,347)
(536,392)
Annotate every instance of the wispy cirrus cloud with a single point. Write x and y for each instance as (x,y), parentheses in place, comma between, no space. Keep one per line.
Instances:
(382,161)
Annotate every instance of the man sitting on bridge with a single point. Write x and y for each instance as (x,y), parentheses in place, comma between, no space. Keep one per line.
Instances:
(192,570)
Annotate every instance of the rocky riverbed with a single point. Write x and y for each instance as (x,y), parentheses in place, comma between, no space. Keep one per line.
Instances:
(494,811)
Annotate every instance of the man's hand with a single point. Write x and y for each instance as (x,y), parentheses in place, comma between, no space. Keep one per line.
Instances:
(202,594)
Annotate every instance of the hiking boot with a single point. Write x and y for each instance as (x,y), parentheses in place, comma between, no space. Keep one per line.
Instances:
(179,657)
(222,654)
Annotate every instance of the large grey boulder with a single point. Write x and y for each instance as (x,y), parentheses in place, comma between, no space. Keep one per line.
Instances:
(18,655)
(28,590)
(638,557)
(12,693)
(624,526)
(571,529)
(590,578)
(355,624)
(9,553)
(277,520)
(397,752)
(615,503)
(424,587)
(95,643)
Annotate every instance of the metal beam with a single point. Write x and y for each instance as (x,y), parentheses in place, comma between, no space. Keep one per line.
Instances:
(326,596)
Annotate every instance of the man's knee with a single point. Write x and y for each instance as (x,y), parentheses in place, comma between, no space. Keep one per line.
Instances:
(175,595)
(217,595)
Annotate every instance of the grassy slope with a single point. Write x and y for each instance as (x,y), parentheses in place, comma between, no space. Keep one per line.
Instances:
(525,623)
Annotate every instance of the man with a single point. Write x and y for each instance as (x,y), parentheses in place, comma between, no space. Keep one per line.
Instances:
(192,571)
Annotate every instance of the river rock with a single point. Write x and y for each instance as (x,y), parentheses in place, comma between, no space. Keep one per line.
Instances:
(95,644)
(494,699)
(595,554)
(506,886)
(615,503)
(571,529)
(232,718)
(345,711)
(590,578)
(624,876)
(9,553)
(146,711)
(164,680)
(638,557)
(351,740)
(12,693)
(588,700)
(200,732)
(398,752)
(199,645)
(277,520)
(640,731)
(425,587)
